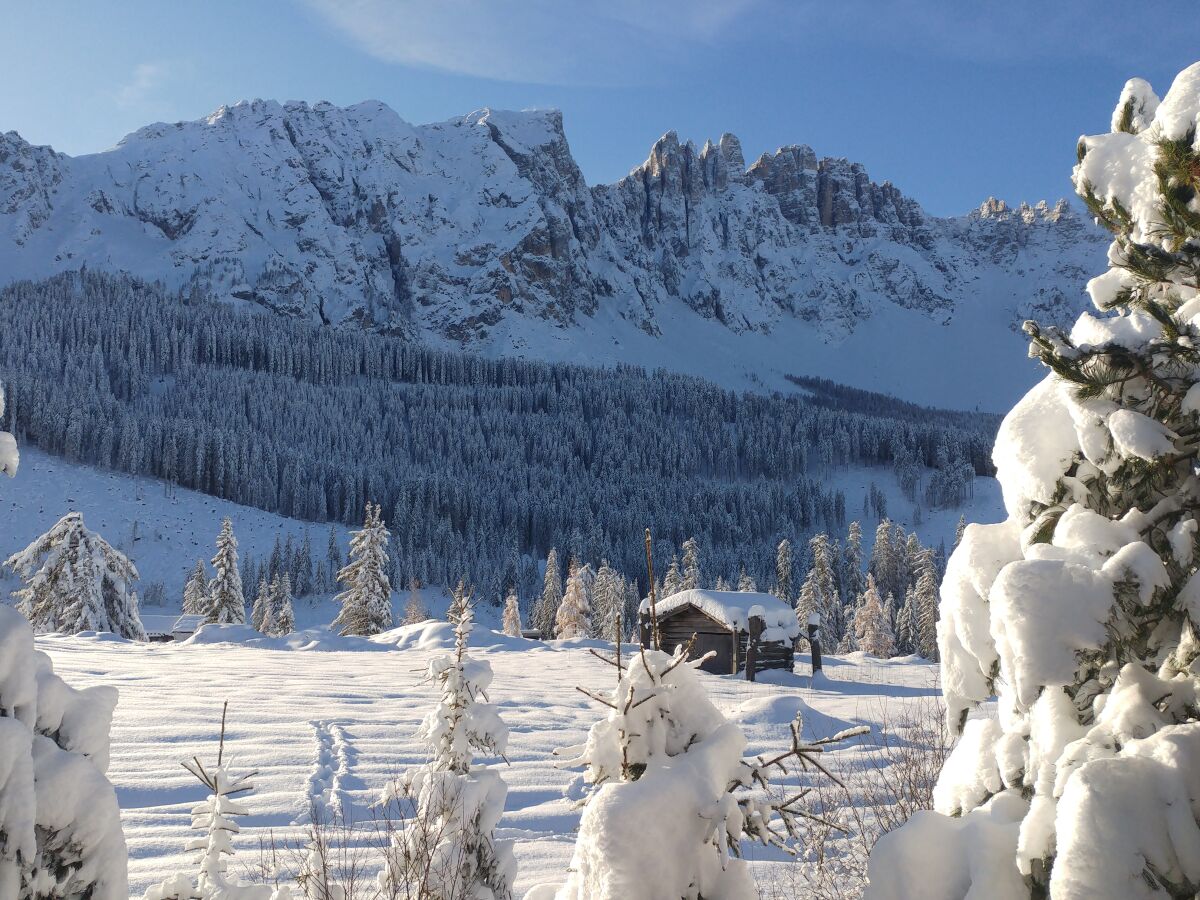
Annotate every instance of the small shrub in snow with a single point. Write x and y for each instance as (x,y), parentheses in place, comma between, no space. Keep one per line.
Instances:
(672,797)
(60,828)
(76,581)
(216,820)
(448,851)
(1081,612)
(367,598)
(415,610)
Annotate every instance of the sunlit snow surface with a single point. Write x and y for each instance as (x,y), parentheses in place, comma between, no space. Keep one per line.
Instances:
(337,725)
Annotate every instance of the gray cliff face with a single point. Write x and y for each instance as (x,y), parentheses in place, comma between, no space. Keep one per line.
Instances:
(481,229)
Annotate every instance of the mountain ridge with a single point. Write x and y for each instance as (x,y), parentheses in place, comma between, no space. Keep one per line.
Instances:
(482,233)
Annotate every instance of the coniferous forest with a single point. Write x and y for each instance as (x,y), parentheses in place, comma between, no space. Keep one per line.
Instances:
(479,465)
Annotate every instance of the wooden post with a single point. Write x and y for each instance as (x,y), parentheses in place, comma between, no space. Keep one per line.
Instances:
(654,632)
(814,641)
(733,636)
(756,629)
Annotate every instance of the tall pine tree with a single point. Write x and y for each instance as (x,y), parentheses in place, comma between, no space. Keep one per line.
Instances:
(366,598)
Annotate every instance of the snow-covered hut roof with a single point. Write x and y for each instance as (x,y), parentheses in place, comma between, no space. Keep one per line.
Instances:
(158,626)
(734,609)
(187,625)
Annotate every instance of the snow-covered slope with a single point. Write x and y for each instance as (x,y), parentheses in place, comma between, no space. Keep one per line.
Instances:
(481,232)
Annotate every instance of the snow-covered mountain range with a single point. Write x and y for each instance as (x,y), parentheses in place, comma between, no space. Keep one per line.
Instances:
(481,233)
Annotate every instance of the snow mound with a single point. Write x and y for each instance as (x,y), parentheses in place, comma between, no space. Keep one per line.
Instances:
(433,634)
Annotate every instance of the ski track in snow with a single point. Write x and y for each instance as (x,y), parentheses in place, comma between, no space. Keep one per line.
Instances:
(335,728)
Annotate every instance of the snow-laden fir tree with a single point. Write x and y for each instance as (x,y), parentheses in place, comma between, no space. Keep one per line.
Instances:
(807,601)
(721,584)
(608,603)
(852,563)
(76,581)
(282,620)
(1080,612)
(415,610)
(512,613)
(691,565)
(784,567)
(60,827)
(823,593)
(673,579)
(574,618)
(872,625)
(366,598)
(10,457)
(746,582)
(195,591)
(670,799)
(925,597)
(226,604)
(448,851)
(907,623)
(260,612)
(546,608)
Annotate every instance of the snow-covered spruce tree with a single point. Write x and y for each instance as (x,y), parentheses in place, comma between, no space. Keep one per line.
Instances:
(691,565)
(282,619)
(76,581)
(783,571)
(10,458)
(824,589)
(546,608)
(367,596)
(608,603)
(746,582)
(872,624)
(673,580)
(415,610)
(574,618)
(852,563)
(671,797)
(925,596)
(448,850)
(60,828)
(512,613)
(260,612)
(225,603)
(195,591)
(216,820)
(1081,611)
(906,623)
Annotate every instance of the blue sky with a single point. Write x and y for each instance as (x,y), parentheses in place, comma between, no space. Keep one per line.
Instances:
(951,100)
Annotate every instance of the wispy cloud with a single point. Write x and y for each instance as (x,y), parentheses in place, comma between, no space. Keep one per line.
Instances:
(541,41)
(144,87)
(630,41)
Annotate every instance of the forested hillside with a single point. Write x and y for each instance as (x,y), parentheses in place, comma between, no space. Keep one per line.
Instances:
(480,465)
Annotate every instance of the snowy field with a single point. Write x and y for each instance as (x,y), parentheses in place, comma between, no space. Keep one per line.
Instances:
(338,725)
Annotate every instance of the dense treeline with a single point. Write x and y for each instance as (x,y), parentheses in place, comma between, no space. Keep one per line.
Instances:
(476,463)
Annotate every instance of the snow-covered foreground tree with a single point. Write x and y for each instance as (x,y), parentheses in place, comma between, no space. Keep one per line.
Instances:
(672,796)
(60,828)
(367,598)
(76,581)
(448,851)
(1081,612)
(10,458)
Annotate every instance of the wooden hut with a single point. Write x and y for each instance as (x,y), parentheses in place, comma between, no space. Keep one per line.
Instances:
(735,626)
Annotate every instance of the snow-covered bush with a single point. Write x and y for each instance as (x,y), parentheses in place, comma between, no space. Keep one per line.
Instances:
(1081,611)
(9,457)
(448,851)
(367,598)
(672,797)
(76,581)
(60,829)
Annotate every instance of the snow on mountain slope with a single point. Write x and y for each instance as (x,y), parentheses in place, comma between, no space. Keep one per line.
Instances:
(481,232)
